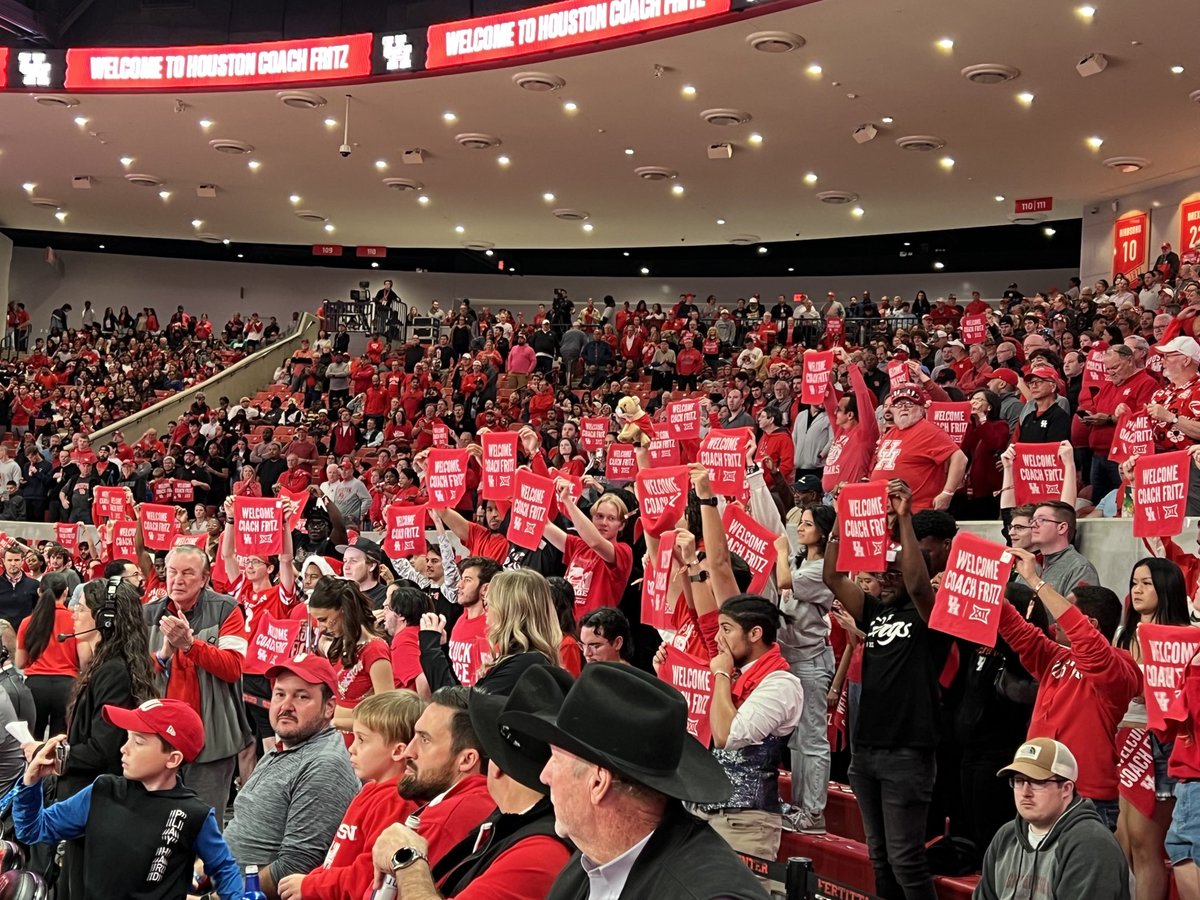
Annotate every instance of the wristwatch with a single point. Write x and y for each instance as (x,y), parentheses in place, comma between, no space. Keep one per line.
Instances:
(700,577)
(405,857)
(710,501)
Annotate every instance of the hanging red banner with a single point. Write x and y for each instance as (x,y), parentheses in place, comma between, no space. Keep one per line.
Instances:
(621,464)
(1038,473)
(656,583)
(499,465)
(862,521)
(257,526)
(968,601)
(1160,489)
(753,542)
(1166,651)
(158,525)
(952,418)
(683,419)
(532,496)
(693,678)
(723,453)
(817,373)
(446,477)
(592,432)
(404,531)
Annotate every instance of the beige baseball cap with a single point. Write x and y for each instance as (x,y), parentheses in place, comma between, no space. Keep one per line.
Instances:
(1043,758)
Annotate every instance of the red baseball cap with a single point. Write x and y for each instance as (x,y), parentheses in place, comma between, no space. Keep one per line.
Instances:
(308,666)
(172,720)
(1045,373)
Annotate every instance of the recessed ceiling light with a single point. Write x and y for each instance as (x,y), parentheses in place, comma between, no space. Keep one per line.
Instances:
(374,265)
(196,223)
(1095,142)
(645,271)
(858,211)
(225,241)
(946,162)
(588,226)
(81,121)
(814,70)
(946,44)
(548,197)
(810,178)
(720,221)
(756,138)
(999,198)
(206,123)
(791,268)
(1086,12)
(101,246)
(254,164)
(61,215)
(1025,97)
(381,164)
(1176,70)
(423,200)
(166,195)
(458,229)
(689,90)
(908,243)
(762,249)
(503,160)
(887,120)
(328,226)
(625,253)
(571,106)
(449,117)
(677,189)
(241,256)
(939,265)
(295,198)
(29,187)
(127,161)
(1048,232)
(629,151)
(331,123)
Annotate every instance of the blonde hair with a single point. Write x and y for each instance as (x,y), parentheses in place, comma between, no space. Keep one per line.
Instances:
(392,715)
(616,501)
(524,615)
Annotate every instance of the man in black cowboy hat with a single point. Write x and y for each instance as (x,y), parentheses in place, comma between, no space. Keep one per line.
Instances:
(621,761)
(516,849)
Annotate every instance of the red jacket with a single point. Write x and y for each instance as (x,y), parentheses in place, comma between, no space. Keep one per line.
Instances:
(347,873)
(1085,690)
(777,445)
(452,816)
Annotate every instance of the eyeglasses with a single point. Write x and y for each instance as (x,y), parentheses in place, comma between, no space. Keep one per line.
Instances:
(1020,782)
(1018,528)
(1039,522)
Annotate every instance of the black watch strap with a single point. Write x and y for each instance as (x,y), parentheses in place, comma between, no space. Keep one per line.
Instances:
(711,501)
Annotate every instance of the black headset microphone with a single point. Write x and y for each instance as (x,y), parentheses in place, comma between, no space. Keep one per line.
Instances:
(106,618)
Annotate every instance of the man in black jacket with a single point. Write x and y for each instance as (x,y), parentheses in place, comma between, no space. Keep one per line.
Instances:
(621,761)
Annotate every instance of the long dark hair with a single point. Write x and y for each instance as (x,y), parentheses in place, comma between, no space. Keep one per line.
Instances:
(41,622)
(1171,591)
(824,518)
(128,643)
(357,615)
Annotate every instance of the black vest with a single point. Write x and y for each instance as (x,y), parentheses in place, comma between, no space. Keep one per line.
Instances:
(141,844)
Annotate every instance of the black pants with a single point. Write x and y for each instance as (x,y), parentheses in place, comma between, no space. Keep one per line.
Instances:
(987,800)
(50,696)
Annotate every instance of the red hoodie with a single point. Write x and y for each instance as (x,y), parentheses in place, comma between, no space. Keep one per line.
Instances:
(347,873)
(1085,690)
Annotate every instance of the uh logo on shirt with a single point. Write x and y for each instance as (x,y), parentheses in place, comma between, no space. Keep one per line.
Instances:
(889,453)
(884,630)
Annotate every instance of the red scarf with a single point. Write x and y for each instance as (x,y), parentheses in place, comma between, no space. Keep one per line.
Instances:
(770,662)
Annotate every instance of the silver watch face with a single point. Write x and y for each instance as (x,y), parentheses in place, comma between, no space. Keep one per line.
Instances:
(405,857)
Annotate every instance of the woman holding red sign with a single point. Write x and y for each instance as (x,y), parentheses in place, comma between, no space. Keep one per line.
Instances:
(1158,595)
(598,562)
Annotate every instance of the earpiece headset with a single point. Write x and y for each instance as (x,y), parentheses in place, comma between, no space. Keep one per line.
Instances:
(106,618)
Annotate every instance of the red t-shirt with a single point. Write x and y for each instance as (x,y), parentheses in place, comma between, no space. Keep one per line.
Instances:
(570,656)
(406,658)
(56,658)
(596,582)
(916,455)
(274,601)
(450,817)
(347,873)
(482,542)
(354,683)
(467,639)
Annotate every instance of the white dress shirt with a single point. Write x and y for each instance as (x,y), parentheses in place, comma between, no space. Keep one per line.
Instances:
(605,882)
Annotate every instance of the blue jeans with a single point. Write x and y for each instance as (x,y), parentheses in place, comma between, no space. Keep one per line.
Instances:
(809,743)
(893,787)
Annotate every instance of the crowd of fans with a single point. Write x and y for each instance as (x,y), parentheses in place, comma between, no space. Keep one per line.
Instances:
(509,709)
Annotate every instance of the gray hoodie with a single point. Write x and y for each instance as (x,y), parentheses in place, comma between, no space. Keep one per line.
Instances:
(1078,859)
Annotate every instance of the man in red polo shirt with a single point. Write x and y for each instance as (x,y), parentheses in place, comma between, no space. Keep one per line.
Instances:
(918,452)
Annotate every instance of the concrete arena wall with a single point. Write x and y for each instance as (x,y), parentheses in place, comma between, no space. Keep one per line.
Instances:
(1108,543)
(222,288)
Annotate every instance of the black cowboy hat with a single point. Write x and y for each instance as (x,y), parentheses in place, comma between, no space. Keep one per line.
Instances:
(540,689)
(633,724)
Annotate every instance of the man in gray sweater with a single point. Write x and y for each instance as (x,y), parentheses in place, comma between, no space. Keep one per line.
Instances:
(285,815)
(1056,848)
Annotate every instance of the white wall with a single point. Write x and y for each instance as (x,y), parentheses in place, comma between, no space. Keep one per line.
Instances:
(220,288)
(1162,203)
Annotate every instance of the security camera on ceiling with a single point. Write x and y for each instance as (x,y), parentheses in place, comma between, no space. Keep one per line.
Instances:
(345,150)
(413,157)
(1092,64)
(865,133)
(720,151)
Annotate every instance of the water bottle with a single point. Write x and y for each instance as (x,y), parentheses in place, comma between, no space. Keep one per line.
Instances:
(387,890)
(250,889)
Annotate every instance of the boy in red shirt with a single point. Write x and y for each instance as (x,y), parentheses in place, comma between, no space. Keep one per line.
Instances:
(1085,683)
(383,726)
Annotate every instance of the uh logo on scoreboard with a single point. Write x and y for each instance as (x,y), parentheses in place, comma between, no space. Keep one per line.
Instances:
(33,68)
(398,52)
